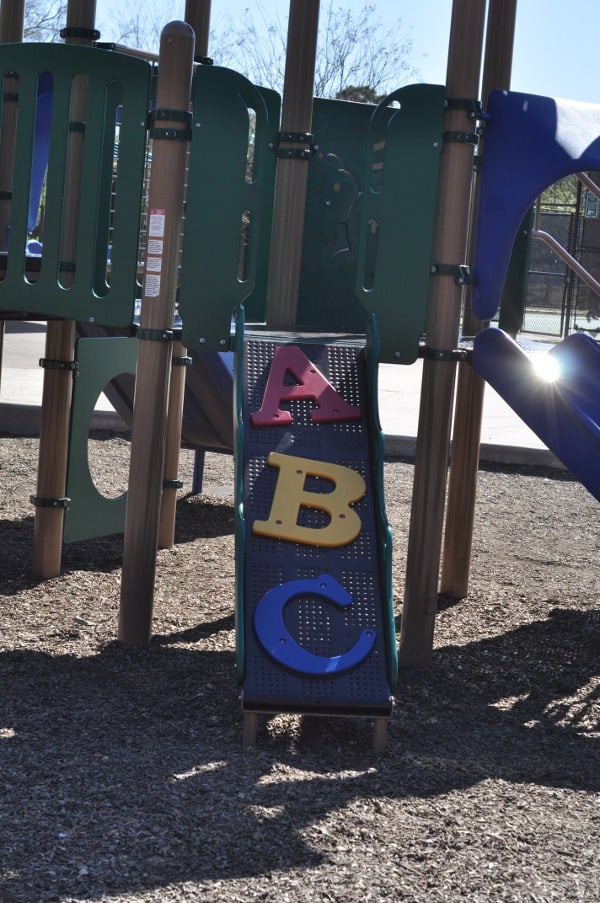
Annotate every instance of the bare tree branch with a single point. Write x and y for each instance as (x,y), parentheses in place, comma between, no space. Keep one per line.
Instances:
(353,49)
(44,19)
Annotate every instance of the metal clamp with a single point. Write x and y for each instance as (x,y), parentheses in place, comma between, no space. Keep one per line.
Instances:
(444,354)
(472,107)
(181,361)
(49,364)
(163,114)
(294,153)
(170,134)
(172,484)
(460,271)
(461,138)
(155,335)
(40,502)
(87,34)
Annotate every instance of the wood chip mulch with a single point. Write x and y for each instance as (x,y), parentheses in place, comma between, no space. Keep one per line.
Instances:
(122,772)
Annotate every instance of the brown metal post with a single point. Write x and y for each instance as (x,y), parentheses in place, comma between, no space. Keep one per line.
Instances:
(462,486)
(450,248)
(292,170)
(166,195)
(60,342)
(197,15)
(11,30)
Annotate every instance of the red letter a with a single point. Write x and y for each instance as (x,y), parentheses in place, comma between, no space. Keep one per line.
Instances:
(310,385)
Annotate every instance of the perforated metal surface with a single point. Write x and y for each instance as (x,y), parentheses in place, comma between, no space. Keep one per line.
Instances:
(317,626)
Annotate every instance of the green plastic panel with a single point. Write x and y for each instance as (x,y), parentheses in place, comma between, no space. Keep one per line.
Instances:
(110,186)
(336,180)
(228,195)
(398,215)
(92,514)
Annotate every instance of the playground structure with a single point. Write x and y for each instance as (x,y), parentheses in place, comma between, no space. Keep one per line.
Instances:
(310,515)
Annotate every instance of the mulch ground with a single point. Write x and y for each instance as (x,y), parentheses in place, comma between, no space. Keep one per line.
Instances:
(122,772)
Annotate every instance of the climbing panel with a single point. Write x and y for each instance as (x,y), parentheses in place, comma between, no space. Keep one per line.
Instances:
(314,614)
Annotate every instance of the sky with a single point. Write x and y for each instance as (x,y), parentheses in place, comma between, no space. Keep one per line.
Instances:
(555,50)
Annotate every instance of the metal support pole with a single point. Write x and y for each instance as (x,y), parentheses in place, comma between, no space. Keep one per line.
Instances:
(166,196)
(60,338)
(197,15)
(450,247)
(462,486)
(292,165)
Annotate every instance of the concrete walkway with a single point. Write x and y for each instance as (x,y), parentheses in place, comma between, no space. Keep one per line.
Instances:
(505,438)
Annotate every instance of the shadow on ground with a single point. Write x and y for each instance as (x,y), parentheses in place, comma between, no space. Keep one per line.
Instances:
(125,770)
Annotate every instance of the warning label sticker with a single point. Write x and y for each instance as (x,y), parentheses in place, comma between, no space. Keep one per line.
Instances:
(156,224)
(155,246)
(152,286)
(154,264)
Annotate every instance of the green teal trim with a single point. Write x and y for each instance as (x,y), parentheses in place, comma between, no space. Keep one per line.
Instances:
(229,201)
(92,514)
(240,524)
(398,215)
(384,534)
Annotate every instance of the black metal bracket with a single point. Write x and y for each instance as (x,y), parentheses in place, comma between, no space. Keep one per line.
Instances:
(461,272)
(87,34)
(166,115)
(444,354)
(472,107)
(172,484)
(294,153)
(40,502)
(461,138)
(155,335)
(170,134)
(49,364)
(75,126)
(180,361)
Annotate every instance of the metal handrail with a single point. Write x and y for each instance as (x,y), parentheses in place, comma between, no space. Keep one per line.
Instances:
(589,183)
(568,259)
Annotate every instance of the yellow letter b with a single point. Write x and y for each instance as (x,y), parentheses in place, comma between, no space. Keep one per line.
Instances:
(290,496)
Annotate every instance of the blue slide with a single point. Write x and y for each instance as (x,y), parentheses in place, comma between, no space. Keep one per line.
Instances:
(564,411)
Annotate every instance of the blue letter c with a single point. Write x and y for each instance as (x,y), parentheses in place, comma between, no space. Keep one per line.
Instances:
(278,642)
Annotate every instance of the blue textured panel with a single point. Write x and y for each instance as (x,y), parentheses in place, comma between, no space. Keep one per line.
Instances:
(312,619)
(530,143)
